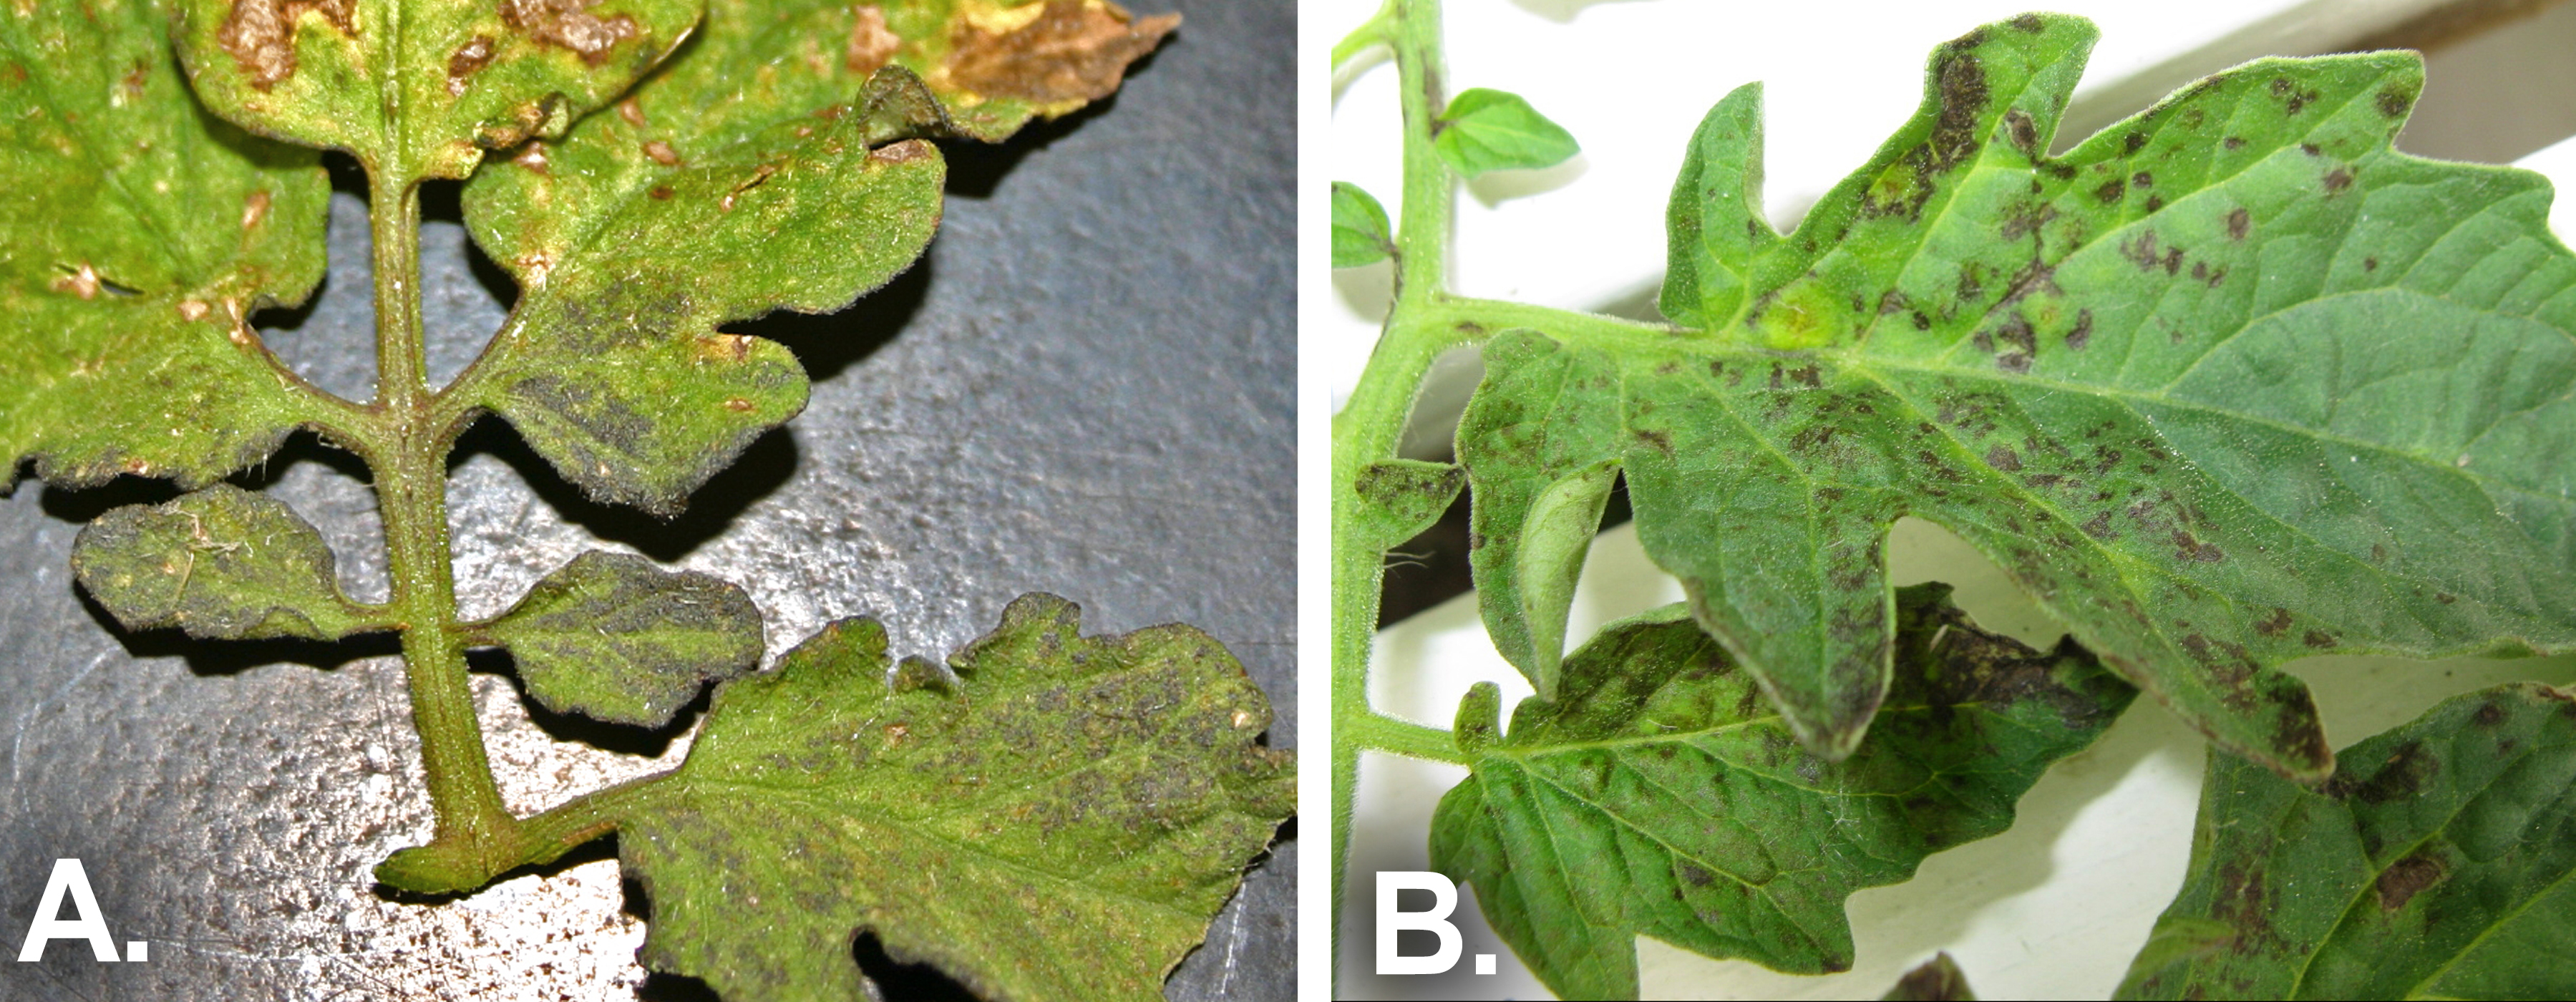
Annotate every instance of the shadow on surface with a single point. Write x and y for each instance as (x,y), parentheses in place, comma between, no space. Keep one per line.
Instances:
(764,466)
(622,738)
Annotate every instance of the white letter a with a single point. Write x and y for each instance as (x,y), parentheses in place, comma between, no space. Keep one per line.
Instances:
(68,877)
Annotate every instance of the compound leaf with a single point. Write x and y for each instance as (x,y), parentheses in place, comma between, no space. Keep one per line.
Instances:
(417,89)
(1659,794)
(2230,383)
(222,564)
(136,237)
(1058,819)
(1486,130)
(2436,864)
(613,637)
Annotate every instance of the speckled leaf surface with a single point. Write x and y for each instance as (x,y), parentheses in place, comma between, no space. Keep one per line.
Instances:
(1056,819)
(2229,383)
(1659,794)
(2435,864)
(612,636)
(420,88)
(135,236)
(222,563)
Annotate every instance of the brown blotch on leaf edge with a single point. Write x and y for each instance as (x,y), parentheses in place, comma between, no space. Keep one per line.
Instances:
(260,34)
(1069,52)
(567,24)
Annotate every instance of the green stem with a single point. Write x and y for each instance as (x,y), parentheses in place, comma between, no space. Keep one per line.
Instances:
(409,458)
(1379,732)
(1364,37)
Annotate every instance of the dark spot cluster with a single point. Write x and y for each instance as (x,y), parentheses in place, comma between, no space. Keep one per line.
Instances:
(2402,774)
(2293,99)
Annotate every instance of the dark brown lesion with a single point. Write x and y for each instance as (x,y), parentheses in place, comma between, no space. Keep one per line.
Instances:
(260,34)
(1072,51)
(569,25)
(467,60)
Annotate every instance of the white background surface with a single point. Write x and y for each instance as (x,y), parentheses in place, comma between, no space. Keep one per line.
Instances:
(2056,906)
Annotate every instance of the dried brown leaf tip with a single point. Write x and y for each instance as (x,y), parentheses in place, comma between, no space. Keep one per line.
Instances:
(1068,51)
(568,24)
(260,34)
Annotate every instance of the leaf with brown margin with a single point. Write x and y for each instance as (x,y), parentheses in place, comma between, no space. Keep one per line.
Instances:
(1060,54)
(1057,820)
(2436,864)
(2231,383)
(613,637)
(1660,795)
(421,89)
(136,235)
(1936,980)
(222,564)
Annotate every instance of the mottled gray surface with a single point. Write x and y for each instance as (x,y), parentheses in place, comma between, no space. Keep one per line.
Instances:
(1085,389)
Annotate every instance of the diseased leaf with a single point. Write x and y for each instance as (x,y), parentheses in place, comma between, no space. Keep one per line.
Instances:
(1399,498)
(421,89)
(2435,864)
(613,637)
(136,236)
(1485,130)
(221,564)
(2230,383)
(1360,235)
(1057,820)
(1936,980)
(1659,794)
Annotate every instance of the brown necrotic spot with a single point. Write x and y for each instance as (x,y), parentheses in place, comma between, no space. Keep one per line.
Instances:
(661,153)
(2082,334)
(2393,101)
(2272,625)
(2405,878)
(1072,51)
(1961,82)
(2239,222)
(2003,459)
(871,43)
(469,57)
(660,193)
(260,34)
(567,24)
(2337,180)
(2318,639)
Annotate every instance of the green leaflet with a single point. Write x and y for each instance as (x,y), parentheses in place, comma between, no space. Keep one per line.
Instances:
(1402,497)
(2434,865)
(1660,795)
(1936,980)
(1058,820)
(1360,234)
(222,563)
(420,89)
(612,637)
(1484,130)
(135,237)
(2230,383)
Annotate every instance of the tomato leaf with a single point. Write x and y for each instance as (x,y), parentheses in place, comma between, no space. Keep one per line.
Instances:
(139,238)
(2434,865)
(222,563)
(1936,980)
(1659,794)
(612,637)
(1057,819)
(1484,130)
(2231,383)
(1360,235)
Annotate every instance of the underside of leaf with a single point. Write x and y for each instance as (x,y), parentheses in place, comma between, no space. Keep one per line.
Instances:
(1659,794)
(2436,864)
(613,637)
(139,238)
(2228,384)
(221,564)
(1057,819)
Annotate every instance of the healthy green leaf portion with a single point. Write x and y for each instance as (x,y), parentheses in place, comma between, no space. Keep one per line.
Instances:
(2436,864)
(1936,980)
(221,564)
(1059,819)
(421,89)
(1660,795)
(613,637)
(1360,234)
(2231,383)
(135,236)
(1484,130)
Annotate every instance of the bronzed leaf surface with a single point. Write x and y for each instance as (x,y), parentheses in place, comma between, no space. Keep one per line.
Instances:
(1660,794)
(1056,820)
(613,637)
(421,88)
(136,236)
(2230,383)
(222,563)
(2435,864)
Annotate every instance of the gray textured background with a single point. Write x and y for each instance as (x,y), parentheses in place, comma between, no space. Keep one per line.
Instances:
(1085,388)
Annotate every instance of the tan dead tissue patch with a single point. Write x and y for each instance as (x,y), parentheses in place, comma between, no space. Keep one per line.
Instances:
(1071,51)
